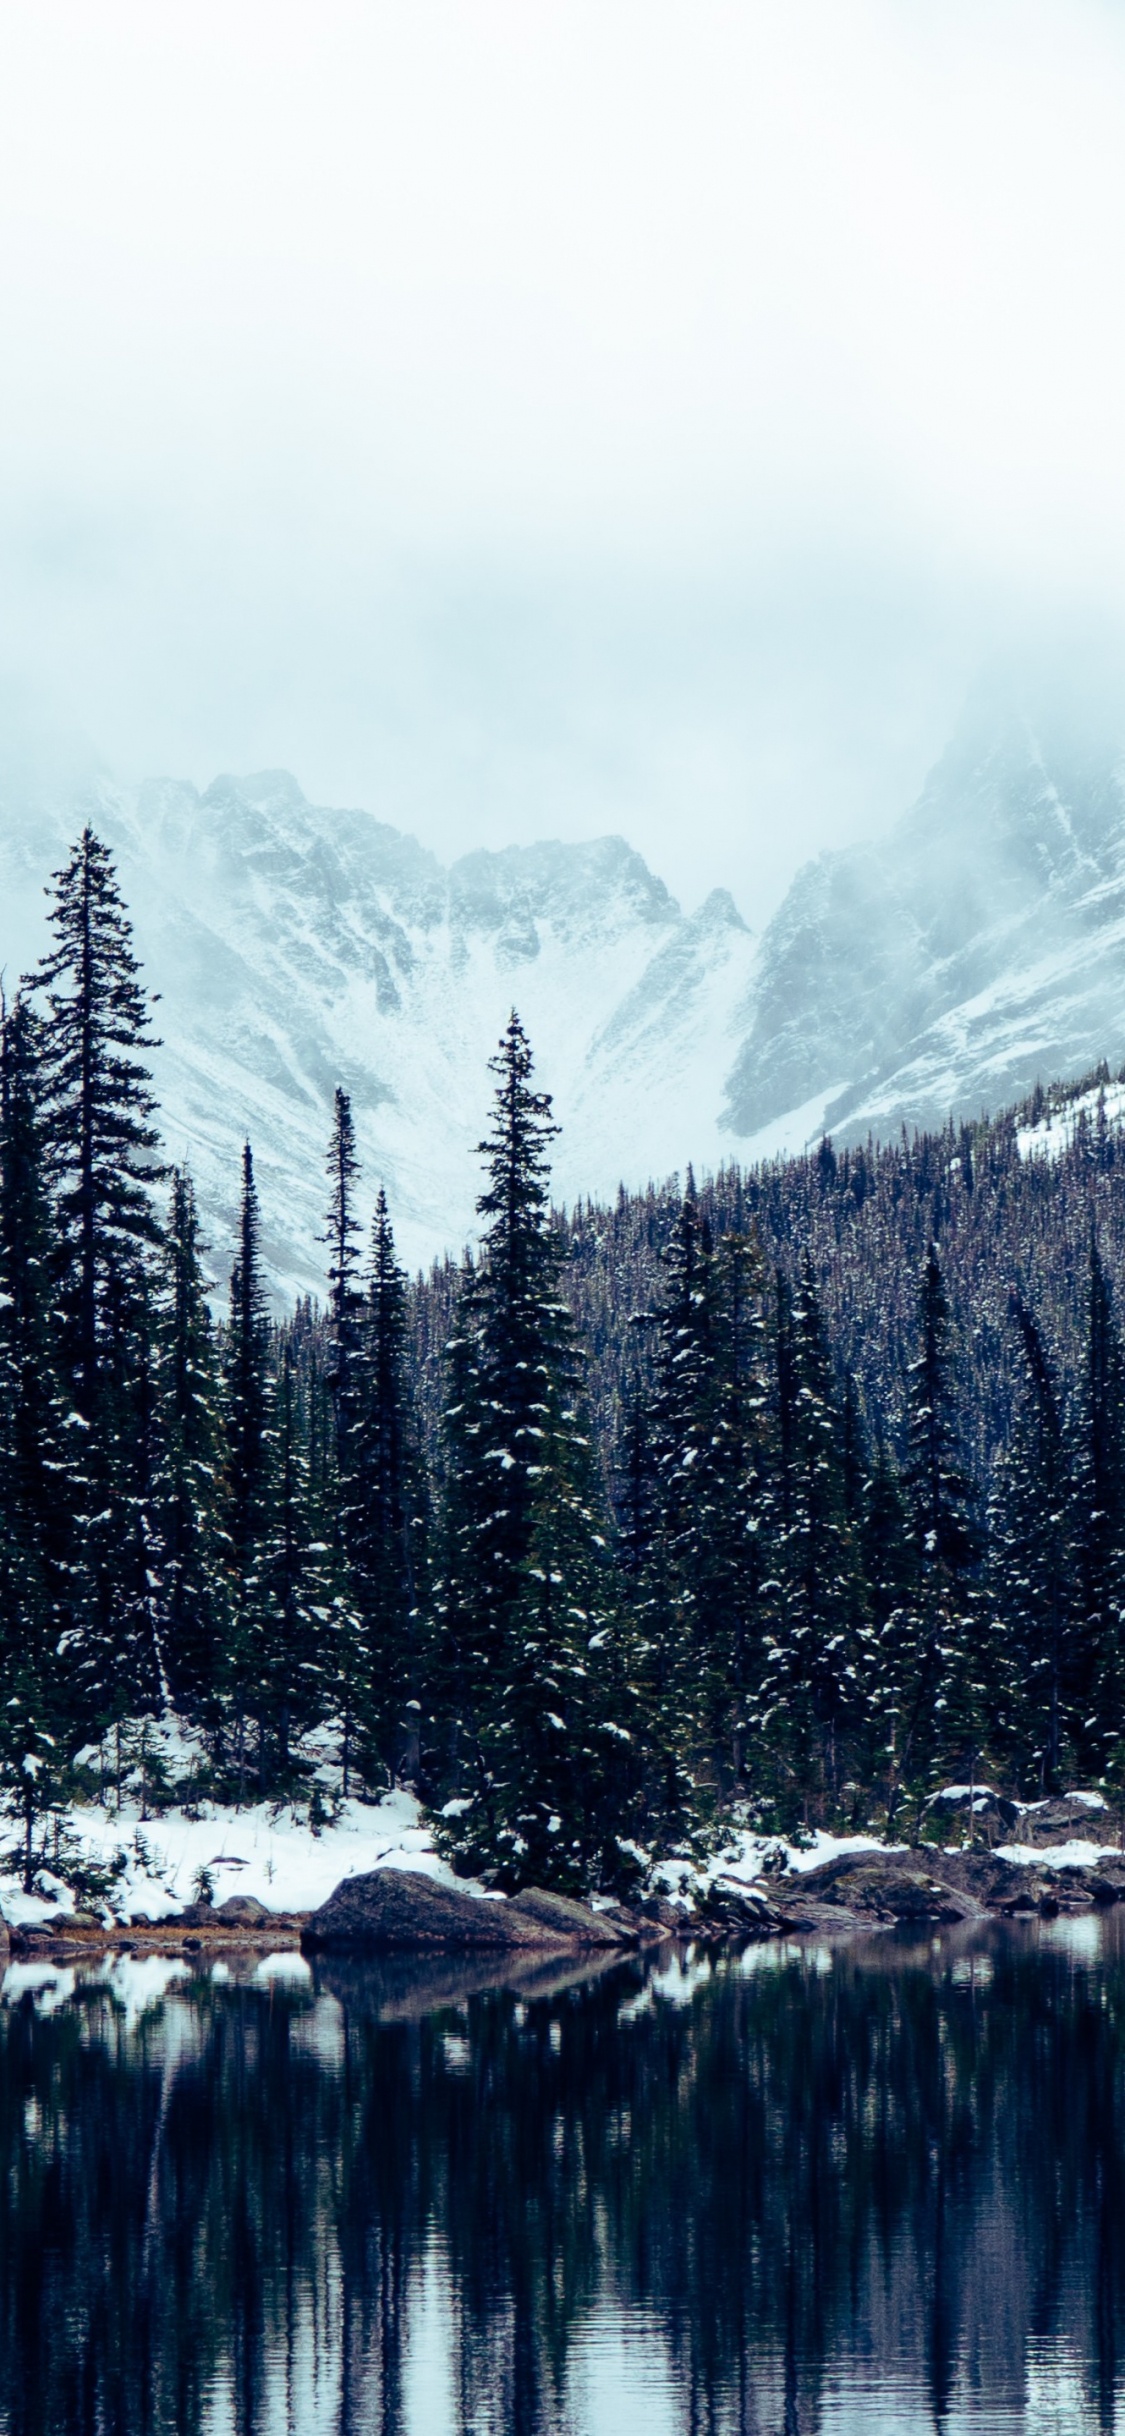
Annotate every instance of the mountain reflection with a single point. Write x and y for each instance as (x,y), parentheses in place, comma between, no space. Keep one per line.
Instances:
(882,2187)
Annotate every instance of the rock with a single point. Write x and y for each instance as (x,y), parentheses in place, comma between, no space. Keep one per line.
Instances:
(738,1912)
(1064,1818)
(241,1911)
(887,1886)
(988,1808)
(664,1917)
(574,1921)
(5,1942)
(194,1915)
(802,1916)
(399,1908)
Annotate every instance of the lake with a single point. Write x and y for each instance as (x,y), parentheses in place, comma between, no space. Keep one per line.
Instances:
(876,2186)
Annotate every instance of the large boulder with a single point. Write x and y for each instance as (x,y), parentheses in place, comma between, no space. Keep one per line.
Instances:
(1065,1818)
(241,1911)
(885,1886)
(388,1909)
(562,1917)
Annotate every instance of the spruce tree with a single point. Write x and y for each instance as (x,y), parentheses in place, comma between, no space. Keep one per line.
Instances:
(195,1548)
(944,1663)
(37,1484)
(527,1591)
(1100,1531)
(98,1105)
(889,1563)
(813,1688)
(102,1164)
(248,1464)
(678,1664)
(297,1644)
(1031,1570)
(342,1237)
(707,1433)
(388,1524)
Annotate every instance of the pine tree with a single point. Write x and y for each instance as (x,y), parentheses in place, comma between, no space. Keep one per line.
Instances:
(945,1665)
(339,1659)
(813,1687)
(296,1594)
(707,1433)
(1032,1574)
(527,1570)
(102,1164)
(345,1300)
(37,1486)
(97,1104)
(889,1564)
(388,1524)
(249,1463)
(1100,1533)
(195,1549)
(678,1667)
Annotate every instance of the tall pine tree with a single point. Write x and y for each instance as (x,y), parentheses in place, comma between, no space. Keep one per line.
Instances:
(528,1574)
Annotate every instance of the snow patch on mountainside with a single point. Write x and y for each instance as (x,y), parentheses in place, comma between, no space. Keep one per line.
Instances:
(1054,1131)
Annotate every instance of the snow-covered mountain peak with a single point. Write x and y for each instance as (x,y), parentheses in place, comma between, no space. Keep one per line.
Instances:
(943,968)
(298,946)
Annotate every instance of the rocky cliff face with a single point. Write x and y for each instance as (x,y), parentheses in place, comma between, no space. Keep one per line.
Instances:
(975,949)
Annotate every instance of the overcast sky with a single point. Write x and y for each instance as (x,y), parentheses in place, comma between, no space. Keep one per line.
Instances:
(536,419)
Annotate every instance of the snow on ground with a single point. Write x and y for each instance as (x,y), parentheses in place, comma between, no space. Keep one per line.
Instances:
(1057,1127)
(743,1860)
(153,1866)
(274,1855)
(1079,1853)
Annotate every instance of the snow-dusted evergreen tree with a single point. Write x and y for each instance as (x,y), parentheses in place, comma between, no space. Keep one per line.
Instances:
(139,1684)
(1031,1575)
(195,1548)
(297,1644)
(817,1649)
(98,1107)
(943,1655)
(387,1528)
(526,1597)
(890,1575)
(102,1162)
(1100,1533)
(38,1700)
(343,1237)
(676,1667)
(703,1577)
(249,1464)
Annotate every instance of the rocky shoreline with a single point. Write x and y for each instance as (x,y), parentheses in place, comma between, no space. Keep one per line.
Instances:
(403,1912)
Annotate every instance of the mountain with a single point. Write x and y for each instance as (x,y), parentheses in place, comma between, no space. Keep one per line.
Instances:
(297,946)
(944,970)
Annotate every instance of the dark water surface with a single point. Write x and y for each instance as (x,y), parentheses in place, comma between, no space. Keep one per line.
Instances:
(879,2187)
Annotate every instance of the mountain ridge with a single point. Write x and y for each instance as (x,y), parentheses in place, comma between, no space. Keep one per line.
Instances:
(943,969)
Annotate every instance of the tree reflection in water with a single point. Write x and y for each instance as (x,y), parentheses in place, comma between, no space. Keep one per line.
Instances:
(711,2200)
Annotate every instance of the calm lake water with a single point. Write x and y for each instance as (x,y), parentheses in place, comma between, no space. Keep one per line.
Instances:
(877,2187)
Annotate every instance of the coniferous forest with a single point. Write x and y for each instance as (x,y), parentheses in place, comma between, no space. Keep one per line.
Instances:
(802,1490)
